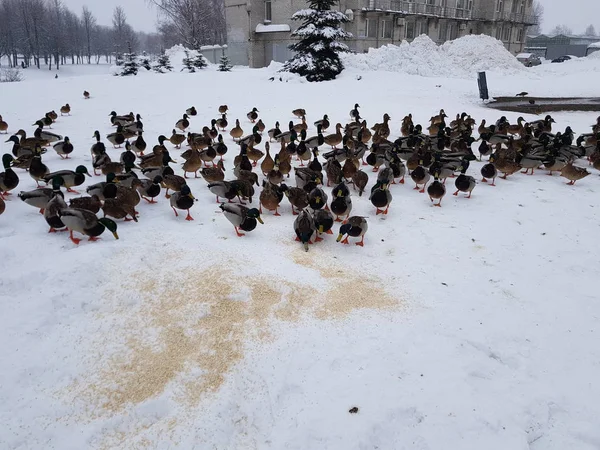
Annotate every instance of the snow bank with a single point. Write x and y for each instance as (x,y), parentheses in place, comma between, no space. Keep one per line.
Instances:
(460,58)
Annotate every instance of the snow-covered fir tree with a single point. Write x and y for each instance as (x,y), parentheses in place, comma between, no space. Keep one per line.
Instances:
(224,65)
(163,63)
(145,61)
(130,64)
(317,54)
(194,60)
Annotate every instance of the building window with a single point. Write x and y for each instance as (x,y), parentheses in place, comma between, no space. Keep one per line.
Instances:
(500,6)
(506,34)
(371,28)
(410,30)
(522,7)
(443,34)
(520,35)
(386,29)
(499,32)
(422,28)
(268,15)
(453,29)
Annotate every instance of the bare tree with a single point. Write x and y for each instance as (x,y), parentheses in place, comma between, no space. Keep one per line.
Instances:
(538,16)
(562,29)
(590,31)
(89,25)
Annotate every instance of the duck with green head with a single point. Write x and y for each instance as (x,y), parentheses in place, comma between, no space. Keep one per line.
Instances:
(241,218)
(355,226)
(9,178)
(86,223)
(304,227)
(184,200)
(71,178)
(55,206)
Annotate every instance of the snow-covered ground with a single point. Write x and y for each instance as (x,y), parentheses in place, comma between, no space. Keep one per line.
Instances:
(471,326)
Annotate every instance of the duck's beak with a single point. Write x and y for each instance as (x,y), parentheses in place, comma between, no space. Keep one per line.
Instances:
(191,196)
(260,220)
(115,235)
(306,246)
(339,238)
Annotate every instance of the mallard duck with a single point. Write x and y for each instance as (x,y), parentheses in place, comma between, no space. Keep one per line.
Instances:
(45,136)
(436,190)
(354,113)
(270,197)
(191,111)
(37,169)
(261,126)
(301,126)
(355,226)
(140,145)
(317,199)
(131,130)
(323,123)
(127,178)
(304,227)
(45,121)
(183,123)
(104,189)
(65,110)
(274,132)
(70,178)
(236,132)
(117,138)
(155,159)
(406,125)
(254,138)
(484,149)
(63,148)
(52,114)
(381,197)
(285,160)
(221,122)
(267,163)
(420,176)
(119,209)
(464,182)
(382,129)
(150,189)
(213,174)
(350,167)
(314,142)
(298,197)
(193,163)
(86,222)
(223,109)
(3,126)
(223,189)
(241,217)
(38,198)
(334,139)
(529,161)
(360,180)
(244,188)
(333,169)
(183,200)
(286,136)
(54,206)
(8,179)
(555,164)
(86,95)
(213,132)
(253,115)
(573,173)
(506,165)
(17,149)
(323,220)
(341,205)
(254,154)
(220,147)
(91,203)
(305,175)
(120,120)
(98,148)
(516,128)
(299,112)
(439,118)
(177,138)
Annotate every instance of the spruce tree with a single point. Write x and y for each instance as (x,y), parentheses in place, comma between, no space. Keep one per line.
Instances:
(194,60)
(224,65)
(145,61)
(163,64)
(198,60)
(130,64)
(317,53)
(187,63)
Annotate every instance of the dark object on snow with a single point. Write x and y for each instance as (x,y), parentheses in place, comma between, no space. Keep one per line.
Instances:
(483,89)
(522,94)
(532,102)
(353,410)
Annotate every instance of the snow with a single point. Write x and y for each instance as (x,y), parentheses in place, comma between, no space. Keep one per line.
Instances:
(460,58)
(272,28)
(471,326)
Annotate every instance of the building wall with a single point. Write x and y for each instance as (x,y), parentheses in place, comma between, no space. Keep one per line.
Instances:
(259,49)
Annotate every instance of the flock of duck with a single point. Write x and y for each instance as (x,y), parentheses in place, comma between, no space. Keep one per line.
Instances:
(429,156)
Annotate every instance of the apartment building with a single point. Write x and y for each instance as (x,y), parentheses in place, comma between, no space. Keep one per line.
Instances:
(259,31)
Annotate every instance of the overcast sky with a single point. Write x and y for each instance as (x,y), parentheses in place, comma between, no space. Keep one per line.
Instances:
(577,14)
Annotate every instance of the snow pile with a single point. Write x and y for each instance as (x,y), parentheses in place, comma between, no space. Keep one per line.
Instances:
(176,55)
(595,55)
(460,58)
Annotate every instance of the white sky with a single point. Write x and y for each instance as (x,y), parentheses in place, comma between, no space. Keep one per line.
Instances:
(577,14)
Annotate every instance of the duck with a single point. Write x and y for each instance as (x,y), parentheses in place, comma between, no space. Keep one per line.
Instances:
(274,132)
(270,197)
(116,120)
(267,163)
(117,138)
(355,226)
(104,189)
(117,208)
(220,147)
(86,223)
(63,148)
(91,203)
(177,138)
(171,181)
(382,129)
(236,132)
(284,161)
(517,128)
(86,95)
(298,197)
(420,176)
(37,169)
(323,123)
(484,149)
(241,217)
(223,189)
(439,118)
(98,148)
(305,175)
(45,121)
(506,165)
(183,123)
(405,128)
(54,206)
(65,110)
(254,154)
(436,190)
(334,139)
(341,205)
(221,122)
(70,178)
(9,179)
(255,138)
(140,145)
(38,198)
(260,126)
(299,112)
(381,197)
(573,173)
(253,115)
(464,183)
(191,111)
(106,165)
(46,136)
(223,109)
(3,126)
(317,199)
(334,172)
(193,163)
(360,180)
(301,126)
(304,227)
(314,142)
(213,174)
(354,113)
(183,200)
(244,188)
(323,220)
